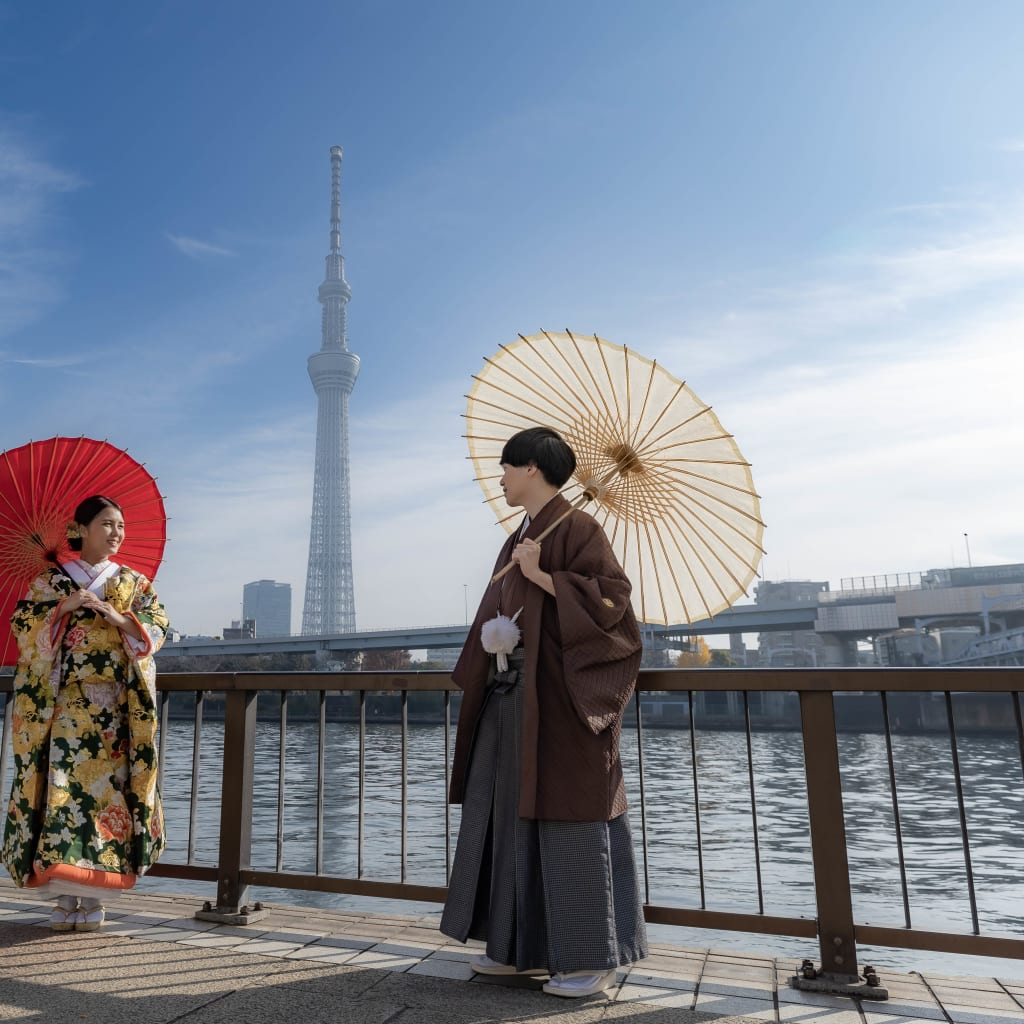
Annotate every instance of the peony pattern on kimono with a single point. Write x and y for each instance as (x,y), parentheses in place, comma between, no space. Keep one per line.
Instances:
(84,797)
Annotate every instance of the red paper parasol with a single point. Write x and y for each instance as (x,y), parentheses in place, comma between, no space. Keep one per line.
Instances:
(41,485)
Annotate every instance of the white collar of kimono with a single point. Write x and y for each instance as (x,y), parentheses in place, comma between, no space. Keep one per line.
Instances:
(92,577)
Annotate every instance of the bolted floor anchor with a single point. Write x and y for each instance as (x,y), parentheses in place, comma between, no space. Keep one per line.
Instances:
(865,986)
(232,915)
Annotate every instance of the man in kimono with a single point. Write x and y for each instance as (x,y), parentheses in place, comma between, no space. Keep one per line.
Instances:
(544,871)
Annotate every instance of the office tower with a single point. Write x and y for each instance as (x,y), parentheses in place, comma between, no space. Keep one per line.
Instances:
(268,604)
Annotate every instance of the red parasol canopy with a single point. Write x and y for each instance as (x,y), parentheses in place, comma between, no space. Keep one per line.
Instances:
(41,485)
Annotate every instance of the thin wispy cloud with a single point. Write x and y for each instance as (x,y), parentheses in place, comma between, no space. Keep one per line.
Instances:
(1011,146)
(30,190)
(43,362)
(197,249)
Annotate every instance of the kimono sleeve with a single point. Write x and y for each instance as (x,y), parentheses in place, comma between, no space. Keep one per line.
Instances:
(149,613)
(33,624)
(601,646)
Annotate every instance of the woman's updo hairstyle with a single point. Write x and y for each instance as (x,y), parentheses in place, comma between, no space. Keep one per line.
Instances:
(87,511)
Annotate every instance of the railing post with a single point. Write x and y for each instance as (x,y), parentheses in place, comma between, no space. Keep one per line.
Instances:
(235,847)
(837,944)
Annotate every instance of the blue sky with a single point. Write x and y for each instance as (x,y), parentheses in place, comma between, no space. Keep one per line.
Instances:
(813,213)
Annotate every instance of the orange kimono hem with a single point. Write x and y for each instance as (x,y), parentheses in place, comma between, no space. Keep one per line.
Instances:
(83,876)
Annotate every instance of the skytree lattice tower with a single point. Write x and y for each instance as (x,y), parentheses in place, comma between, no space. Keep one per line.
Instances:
(330,605)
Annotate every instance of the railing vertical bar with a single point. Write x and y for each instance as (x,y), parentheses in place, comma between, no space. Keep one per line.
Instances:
(163,715)
(836,935)
(896,808)
(6,739)
(362,784)
(282,752)
(447,786)
(321,743)
(197,738)
(234,854)
(405,781)
(962,809)
(643,799)
(753,803)
(696,802)
(1020,728)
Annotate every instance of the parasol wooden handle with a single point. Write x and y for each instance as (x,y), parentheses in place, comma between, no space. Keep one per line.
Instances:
(580,502)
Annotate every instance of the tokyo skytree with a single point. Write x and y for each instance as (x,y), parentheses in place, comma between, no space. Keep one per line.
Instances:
(330,605)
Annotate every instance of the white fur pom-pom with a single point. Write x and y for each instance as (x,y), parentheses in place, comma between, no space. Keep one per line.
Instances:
(500,636)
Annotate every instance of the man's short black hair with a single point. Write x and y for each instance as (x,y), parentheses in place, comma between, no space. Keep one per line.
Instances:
(546,449)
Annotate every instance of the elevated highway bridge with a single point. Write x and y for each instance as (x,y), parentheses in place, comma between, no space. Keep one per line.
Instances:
(845,615)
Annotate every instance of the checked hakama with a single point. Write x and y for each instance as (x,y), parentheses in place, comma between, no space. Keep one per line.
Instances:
(555,895)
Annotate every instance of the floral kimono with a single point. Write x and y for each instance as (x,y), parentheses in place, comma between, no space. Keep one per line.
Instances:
(84,805)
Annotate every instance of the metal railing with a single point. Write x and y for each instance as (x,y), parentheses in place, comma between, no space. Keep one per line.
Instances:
(833,923)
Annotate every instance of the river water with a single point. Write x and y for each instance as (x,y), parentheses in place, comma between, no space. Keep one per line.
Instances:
(935,862)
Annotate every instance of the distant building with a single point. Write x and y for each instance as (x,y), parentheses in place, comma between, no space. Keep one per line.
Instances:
(798,648)
(244,630)
(269,605)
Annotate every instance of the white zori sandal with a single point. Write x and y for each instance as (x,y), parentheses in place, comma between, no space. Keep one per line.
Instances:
(576,984)
(63,917)
(90,916)
(483,964)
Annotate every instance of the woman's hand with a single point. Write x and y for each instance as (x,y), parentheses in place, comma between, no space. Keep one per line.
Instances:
(94,603)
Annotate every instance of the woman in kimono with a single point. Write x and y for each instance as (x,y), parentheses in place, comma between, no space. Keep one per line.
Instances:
(544,871)
(84,816)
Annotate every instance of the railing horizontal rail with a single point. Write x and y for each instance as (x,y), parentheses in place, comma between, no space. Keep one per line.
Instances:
(814,689)
(995,679)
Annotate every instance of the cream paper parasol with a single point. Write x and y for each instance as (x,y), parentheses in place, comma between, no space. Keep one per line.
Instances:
(662,476)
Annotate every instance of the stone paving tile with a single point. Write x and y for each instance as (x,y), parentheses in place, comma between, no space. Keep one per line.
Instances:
(655,980)
(938,981)
(190,924)
(976,1015)
(724,1006)
(346,942)
(313,952)
(399,950)
(340,956)
(901,1008)
(879,1016)
(265,947)
(122,928)
(673,997)
(27,917)
(458,955)
(160,934)
(749,961)
(742,989)
(718,969)
(383,961)
(792,1014)
(214,941)
(981,999)
(436,968)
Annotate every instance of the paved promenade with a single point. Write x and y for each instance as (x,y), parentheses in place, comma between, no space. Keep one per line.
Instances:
(153,962)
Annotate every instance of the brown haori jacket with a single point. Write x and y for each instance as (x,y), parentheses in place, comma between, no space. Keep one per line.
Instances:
(582,654)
